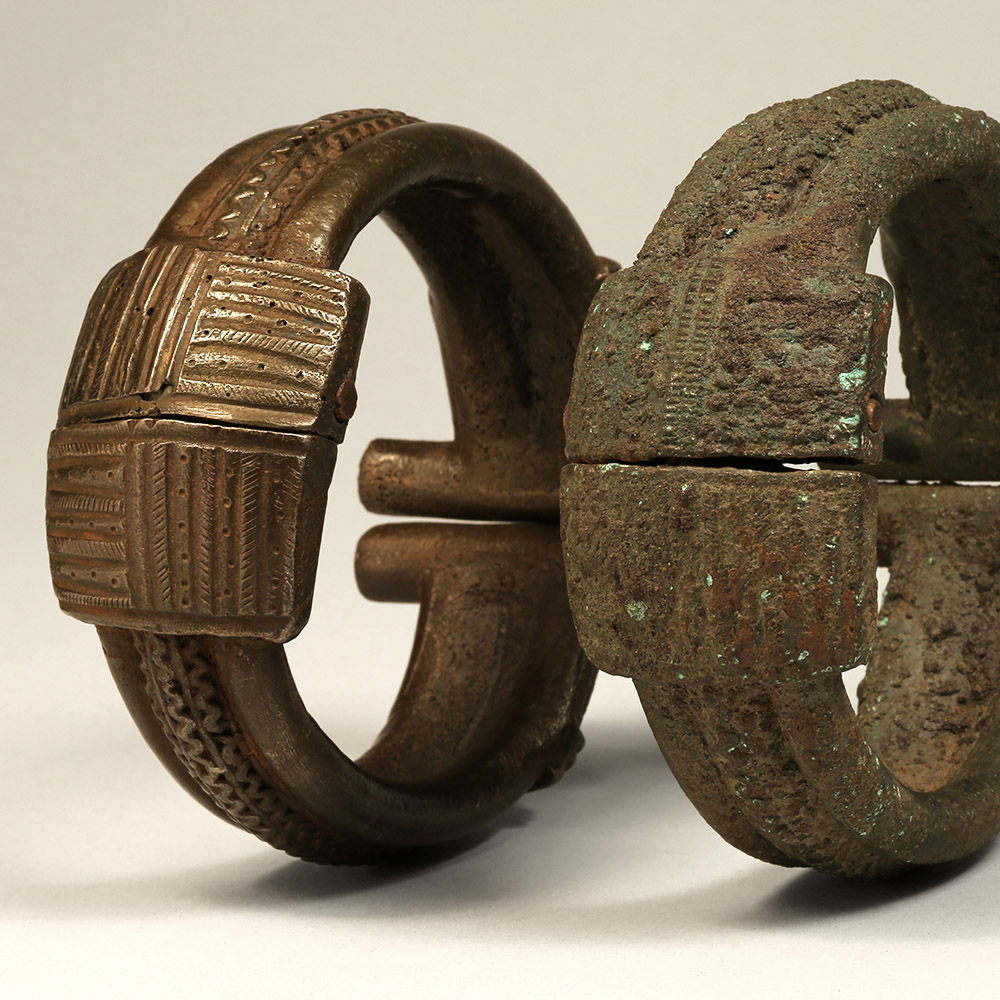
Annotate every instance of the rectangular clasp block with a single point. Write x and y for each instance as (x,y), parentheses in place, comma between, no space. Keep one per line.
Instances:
(746,352)
(176,330)
(179,527)
(694,573)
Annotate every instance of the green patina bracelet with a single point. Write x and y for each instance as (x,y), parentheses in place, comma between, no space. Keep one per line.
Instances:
(733,589)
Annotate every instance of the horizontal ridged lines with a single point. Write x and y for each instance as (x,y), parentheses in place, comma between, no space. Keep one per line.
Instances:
(85,524)
(265,336)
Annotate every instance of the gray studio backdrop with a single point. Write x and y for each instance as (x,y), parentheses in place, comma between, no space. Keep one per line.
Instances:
(115,884)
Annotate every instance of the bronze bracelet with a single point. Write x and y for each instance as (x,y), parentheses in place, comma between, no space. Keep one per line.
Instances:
(213,378)
(735,590)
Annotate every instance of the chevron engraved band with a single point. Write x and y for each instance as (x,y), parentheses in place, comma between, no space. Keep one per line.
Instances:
(178,527)
(188,475)
(175,330)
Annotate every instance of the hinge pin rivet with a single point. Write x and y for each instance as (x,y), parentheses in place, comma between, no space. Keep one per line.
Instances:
(347,401)
(874,414)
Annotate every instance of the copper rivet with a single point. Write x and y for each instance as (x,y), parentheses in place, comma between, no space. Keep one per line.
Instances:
(874,414)
(347,401)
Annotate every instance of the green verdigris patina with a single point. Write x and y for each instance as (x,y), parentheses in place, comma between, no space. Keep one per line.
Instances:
(734,590)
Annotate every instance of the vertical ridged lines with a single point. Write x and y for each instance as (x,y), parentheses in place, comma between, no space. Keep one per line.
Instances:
(202,534)
(202,556)
(130,334)
(247,479)
(218,508)
(151,505)
(137,529)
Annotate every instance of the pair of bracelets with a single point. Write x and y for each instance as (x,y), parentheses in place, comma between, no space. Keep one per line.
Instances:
(214,377)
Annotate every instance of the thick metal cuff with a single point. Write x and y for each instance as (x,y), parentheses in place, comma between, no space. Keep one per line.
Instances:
(734,589)
(213,378)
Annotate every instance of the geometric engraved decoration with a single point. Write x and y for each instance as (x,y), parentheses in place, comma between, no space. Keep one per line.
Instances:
(179,527)
(175,329)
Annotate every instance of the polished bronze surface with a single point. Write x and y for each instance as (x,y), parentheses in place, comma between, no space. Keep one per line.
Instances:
(215,374)
(735,590)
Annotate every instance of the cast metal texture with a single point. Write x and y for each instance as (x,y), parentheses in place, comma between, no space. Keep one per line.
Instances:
(735,590)
(213,378)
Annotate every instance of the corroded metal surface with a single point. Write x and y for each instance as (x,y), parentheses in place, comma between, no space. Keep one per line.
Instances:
(734,590)
(214,375)
(747,326)
(767,572)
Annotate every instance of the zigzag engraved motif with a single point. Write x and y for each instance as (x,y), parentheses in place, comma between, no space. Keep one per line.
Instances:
(91,600)
(253,208)
(188,705)
(181,672)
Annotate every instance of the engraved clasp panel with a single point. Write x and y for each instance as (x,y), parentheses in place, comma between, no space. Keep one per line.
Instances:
(197,439)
